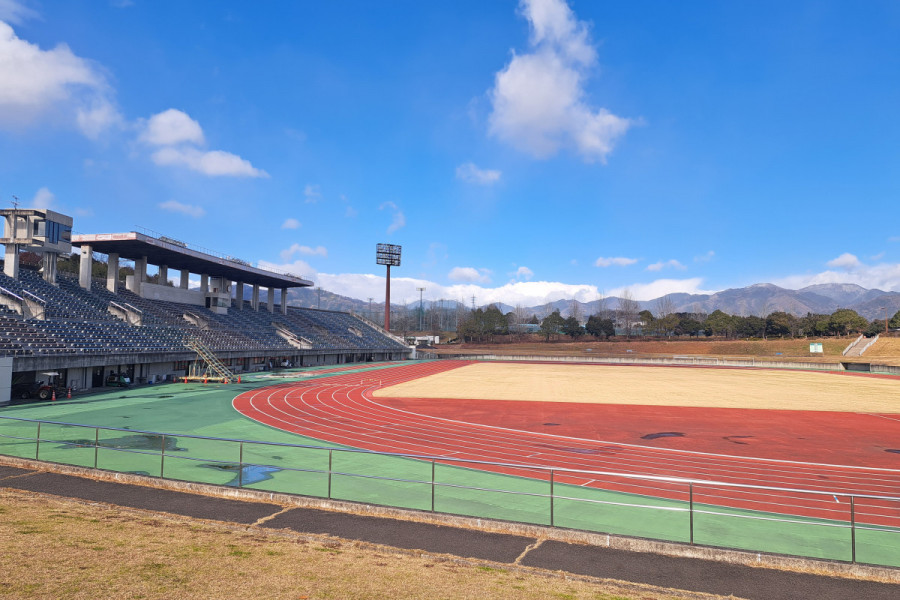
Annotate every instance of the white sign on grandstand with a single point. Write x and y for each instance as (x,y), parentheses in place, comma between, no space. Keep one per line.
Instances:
(816,348)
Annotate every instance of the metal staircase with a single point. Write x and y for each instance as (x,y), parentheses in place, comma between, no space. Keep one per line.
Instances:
(208,366)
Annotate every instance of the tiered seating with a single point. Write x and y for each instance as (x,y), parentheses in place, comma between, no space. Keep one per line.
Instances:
(78,321)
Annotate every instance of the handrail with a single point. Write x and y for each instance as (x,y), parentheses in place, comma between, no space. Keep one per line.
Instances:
(125,305)
(851,346)
(5,291)
(36,297)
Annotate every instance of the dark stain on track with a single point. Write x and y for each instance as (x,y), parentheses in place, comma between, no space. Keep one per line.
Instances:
(551,424)
(600,450)
(736,439)
(894,450)
(662,434)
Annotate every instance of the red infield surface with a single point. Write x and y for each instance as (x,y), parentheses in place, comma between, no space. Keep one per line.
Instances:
(837,452)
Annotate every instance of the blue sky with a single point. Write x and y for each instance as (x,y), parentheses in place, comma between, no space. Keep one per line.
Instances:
(518,151)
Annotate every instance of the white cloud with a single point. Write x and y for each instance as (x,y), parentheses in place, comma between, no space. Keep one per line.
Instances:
(661,287)
(398,221)
(659,266)
(171,127)
(618,261)
(312,193)
(470,274)
(179,138)
(470,173)
(213,163)
(287,254)
(524,273)
(705,257)
(15,12)
(884,276)
(538,99)
(42,83)
(44,198)
(290,223)
(185,209)
(845,261)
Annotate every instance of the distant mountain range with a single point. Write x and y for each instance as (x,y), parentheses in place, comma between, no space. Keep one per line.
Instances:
(759,299)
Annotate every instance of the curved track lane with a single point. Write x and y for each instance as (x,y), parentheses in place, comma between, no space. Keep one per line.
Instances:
(338,409)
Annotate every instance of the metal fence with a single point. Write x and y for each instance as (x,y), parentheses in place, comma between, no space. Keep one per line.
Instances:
(865,529)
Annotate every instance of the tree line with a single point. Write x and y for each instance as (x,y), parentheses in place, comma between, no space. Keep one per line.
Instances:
(489,324)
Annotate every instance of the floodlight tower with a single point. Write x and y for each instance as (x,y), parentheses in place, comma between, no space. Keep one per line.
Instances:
(421,309)
(388,255)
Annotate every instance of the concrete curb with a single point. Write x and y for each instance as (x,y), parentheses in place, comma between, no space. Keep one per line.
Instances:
(618,542)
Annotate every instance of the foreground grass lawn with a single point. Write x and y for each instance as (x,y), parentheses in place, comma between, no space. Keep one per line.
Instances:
(60,548)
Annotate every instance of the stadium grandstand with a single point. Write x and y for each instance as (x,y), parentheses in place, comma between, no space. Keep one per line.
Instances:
(62,332)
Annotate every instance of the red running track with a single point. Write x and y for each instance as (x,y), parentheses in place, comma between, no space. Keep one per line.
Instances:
(339,409)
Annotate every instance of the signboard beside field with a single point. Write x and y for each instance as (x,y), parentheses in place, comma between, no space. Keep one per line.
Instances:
(816,348)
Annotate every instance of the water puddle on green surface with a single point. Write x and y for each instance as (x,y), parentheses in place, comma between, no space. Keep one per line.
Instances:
(246,475)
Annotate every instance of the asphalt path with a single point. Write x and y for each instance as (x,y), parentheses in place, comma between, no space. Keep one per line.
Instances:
(695,575)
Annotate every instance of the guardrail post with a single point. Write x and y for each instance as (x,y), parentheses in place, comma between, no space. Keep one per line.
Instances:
(551,498)
(96,445)
(241,465)
(852,530)
(37,446)
(330,452)
(432,485)
(162,455)
(691,508)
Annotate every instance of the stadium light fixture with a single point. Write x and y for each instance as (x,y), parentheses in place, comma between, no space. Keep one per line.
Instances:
(388,255)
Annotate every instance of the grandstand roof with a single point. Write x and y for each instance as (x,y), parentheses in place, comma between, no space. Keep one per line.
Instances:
(177,255)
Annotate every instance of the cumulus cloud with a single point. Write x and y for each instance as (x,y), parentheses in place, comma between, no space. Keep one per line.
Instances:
(44,198)
(190,210)
(618,261)
(214,163)
(659,266)
(844,261)
(398,221)
(524,273)
(288,253)
(40,83)
(180,138)
(538,100)
(470,173)
(470,274)
(661,287)
(171,127)
(15,12)
(290,223)
(312,193)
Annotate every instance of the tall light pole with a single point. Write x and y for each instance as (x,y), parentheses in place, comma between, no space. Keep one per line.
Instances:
(388,255)
(421,312)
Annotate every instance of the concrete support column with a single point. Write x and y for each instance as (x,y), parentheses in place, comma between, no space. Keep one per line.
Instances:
(163,275)
(185,276)
(11,261)
(270,300)
(239,294)
(84,267)
(140,275)
(49,266)
(254,300)
(112,273)
(284,301)
(204,283)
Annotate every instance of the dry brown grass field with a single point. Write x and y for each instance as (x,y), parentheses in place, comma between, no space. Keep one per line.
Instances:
(886,350)
(58,548)
(656,386)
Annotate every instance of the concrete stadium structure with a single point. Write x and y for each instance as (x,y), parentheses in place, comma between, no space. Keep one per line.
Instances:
(83,332)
